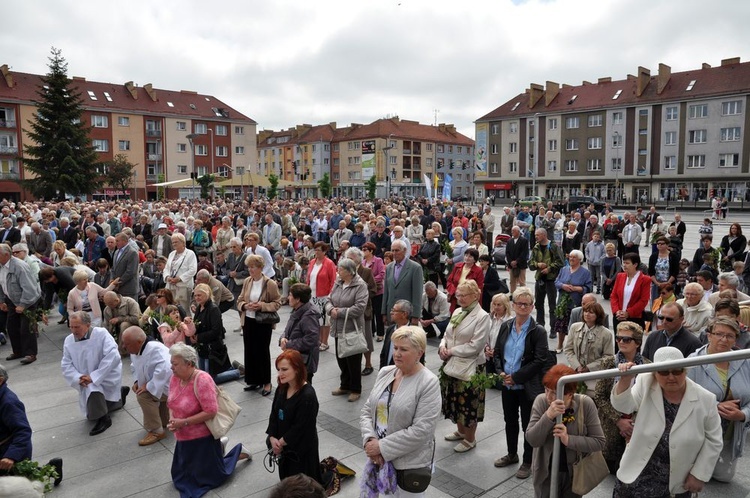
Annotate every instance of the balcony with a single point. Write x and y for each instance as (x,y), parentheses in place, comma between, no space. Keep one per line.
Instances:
(8,150)
(153,133)
(7,123)
(154,157)
(9,175)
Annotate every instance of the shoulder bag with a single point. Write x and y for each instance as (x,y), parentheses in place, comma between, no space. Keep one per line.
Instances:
(590,470)
(225,415)
(350,343)
(268,317)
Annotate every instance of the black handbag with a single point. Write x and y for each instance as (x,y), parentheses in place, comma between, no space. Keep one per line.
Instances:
(270,317)
(414,480)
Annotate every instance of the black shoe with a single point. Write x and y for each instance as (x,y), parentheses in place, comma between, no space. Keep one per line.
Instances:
(124,391)
(266,392)
(102,425)
(252,387)
(57,464)
(367,371)
(552,335)
(62,320)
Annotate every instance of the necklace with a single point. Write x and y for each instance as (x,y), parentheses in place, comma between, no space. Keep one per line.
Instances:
(184,384)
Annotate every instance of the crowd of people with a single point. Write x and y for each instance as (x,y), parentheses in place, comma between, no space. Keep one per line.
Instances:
(375,281)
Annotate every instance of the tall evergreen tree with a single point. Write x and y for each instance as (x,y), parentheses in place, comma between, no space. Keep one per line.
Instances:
(61,155)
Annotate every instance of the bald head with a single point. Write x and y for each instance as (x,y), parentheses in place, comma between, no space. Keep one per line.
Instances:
(133,339)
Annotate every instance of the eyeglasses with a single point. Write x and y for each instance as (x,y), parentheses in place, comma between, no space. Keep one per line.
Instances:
(624,339)
(17,252)
(665,318)
(523,305)
(726,337)
(459,296)
(677,372)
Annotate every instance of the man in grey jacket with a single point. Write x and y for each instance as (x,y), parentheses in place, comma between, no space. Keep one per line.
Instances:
(125,267)
(19,291)
(403,280)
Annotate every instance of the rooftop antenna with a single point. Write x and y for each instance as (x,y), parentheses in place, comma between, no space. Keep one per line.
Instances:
(436,111)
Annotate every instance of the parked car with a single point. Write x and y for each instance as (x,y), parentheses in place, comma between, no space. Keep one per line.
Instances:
(574,202)
(531,200)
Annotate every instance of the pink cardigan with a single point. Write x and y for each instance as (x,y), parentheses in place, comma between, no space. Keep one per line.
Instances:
(75,303)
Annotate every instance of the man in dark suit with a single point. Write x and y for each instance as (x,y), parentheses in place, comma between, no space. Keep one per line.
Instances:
(9,233)
(650,221)
(506,222)
(517,258)
(680,225)
(125,267)
(95,246)
(67,233)
(143,228)
(403,280)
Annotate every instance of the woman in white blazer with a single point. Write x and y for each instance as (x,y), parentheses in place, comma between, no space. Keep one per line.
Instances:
(85,297)
(729,382)
(462,349)
(676,438)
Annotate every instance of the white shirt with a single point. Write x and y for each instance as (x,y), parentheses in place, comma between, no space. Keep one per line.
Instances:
(256,289)
(627,292)
(314,276)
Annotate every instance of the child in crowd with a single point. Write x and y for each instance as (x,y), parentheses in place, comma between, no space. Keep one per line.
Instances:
(682,277)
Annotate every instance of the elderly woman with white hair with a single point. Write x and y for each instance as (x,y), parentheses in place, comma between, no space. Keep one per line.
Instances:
(86,295)
(697,311)
(572,283)
(180,271)
(21,251)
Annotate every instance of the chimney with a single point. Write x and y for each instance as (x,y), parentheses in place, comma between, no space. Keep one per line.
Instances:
(536,92)
(78,78)
(665,72)
(644,76)
(729,62)
(150,91)
(131,88)
(607,79)
(6,74)
(585,83)
(550,92)
(706,65)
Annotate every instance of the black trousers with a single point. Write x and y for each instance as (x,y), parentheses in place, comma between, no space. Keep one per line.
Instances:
(257,340)
(513,402)
(545,288)
(351,375)
(377,303)
(22,342)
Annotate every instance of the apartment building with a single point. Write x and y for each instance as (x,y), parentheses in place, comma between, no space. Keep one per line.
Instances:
(167,134)
(667,137)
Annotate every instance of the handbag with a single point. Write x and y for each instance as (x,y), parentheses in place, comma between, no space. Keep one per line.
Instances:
(414,480)
(350,343)
(225,415)
(590,470)
(267,317)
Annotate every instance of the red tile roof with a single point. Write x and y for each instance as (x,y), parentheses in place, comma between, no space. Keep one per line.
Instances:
(408,130)
(727,79)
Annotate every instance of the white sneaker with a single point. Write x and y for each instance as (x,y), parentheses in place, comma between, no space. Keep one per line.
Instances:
(224,440)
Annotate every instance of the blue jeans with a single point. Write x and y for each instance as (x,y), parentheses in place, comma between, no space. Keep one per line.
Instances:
(226,376)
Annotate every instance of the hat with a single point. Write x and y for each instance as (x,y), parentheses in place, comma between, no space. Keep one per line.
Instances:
(667,353)
(162,225)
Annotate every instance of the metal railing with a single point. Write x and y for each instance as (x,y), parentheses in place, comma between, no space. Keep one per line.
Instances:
(742,354)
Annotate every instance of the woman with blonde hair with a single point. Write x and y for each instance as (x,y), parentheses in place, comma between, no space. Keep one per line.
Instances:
(500,311)
(59,251)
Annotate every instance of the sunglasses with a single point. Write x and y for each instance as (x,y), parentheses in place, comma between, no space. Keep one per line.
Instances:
(665,318)
(624,339)
(676,372)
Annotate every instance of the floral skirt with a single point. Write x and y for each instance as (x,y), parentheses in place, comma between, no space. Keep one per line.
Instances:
(462,404)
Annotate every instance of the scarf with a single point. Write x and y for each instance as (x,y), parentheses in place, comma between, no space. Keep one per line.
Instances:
(378,480)
(460,314)
(620,358)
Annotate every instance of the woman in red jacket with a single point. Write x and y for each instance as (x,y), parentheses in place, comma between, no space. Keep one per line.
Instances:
(631,292)
(321,275)
(468,270)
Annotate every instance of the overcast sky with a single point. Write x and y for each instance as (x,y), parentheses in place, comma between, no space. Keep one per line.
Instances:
(288,62)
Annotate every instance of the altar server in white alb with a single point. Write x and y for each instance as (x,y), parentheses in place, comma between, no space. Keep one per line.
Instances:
(91,365)
(152,371)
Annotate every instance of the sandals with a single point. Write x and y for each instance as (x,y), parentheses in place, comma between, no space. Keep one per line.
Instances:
(454,436)
(324,347)
(463,446)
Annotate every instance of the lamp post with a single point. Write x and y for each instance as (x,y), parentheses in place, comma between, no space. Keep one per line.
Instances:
(190,138)
(385,171)
(616,144)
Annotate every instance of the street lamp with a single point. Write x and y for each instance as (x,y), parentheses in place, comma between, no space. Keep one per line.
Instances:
(616,144)
(385,171)
(190,138)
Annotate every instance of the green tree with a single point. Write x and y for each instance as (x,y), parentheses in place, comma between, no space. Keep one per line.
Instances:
(61,155)
(273,191)
(120,173)
(206,182)
(372,186)
(325,185)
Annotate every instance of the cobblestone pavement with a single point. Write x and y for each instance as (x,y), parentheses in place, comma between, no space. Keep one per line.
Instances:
(113,465)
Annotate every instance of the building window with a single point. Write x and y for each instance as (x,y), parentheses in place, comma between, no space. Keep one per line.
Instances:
(181,126)
(201,170)
(571,165)
(594,165)
(670,162)
(221,130)
(643,112)
(698,111)
(616,140)
(493,149)
(697,136)
(595,120)
(643,131)
(459,149)
(459,177)
(123,121)
(513,167)
(353,145)
(239,150)
(617,117)
(671,113)
(124,144)
(201,128)
(239,130)
(571,144)
(181,147)
(670,138)
(495,129)
(222,151)
(730,108)
(552,144)
(729,160)
(513,147)
(551,165)
(696,161)
(513,127)
(617,164)
(552,123)
(201,150)
(642,152)
(427,147)
(572,123)
(99,121)
(181,169)
(730,134)
(493,168)
(595,143)
(101,145)
(440,148)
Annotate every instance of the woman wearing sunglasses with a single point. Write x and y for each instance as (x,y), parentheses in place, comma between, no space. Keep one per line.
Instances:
(676,438)
(730,384)
(618,427)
